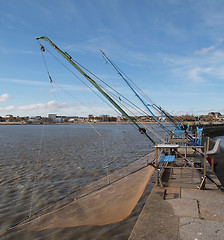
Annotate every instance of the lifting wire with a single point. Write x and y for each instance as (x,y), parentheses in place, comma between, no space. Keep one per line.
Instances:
(36,168)
(90,80)
(119,94)
(100,187)
(135,92)
(147,98)
(39,150)
(155,107)
(103,141)
(137,119)
(52,82)
(82,82)
(49,76)
(96,86)
(42,51)
(114,97)
(104,90)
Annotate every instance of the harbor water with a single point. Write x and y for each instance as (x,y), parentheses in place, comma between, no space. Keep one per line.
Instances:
(40,164)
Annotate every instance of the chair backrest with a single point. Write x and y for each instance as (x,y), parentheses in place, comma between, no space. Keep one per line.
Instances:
(177,133)
(199,136)
(216,148)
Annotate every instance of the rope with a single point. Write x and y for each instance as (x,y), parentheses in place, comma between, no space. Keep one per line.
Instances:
(108,92)
(111,106)
(42,51)
(111,94)
(36,168)
(82,196)
(52,82)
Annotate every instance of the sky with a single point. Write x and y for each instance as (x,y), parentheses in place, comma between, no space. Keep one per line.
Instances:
(171,49)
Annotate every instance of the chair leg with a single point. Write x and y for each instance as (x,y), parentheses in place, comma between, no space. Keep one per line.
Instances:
(212,163)
(202,185)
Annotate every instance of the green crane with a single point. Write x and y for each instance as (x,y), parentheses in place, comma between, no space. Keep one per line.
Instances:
(69,59)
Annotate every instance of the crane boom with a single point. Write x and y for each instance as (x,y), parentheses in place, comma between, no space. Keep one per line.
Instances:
(137,95)
(69,59)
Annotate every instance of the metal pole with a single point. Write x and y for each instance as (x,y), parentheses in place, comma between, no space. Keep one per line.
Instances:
(157,170)
(69,59)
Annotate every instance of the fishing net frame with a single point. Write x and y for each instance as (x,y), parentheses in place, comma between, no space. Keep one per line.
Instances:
(98,203)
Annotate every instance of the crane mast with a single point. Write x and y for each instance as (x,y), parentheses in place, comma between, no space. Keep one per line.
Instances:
(69,59)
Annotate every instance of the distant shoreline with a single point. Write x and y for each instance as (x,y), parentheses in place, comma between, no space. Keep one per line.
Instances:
(20,123)
(71,123)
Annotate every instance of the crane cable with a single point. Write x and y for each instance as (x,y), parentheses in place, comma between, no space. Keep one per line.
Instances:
(109,93)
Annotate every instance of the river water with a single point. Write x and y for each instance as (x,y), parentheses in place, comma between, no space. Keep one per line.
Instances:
(39,164)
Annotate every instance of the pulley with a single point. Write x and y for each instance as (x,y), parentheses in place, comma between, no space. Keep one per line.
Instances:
(42,48)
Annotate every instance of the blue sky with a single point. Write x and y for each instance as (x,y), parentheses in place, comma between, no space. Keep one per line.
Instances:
(172,49)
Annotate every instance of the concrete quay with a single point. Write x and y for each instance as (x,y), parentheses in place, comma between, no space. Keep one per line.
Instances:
(181,211)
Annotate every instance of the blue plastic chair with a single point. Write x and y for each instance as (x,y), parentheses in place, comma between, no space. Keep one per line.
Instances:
(199,136)
(169,158)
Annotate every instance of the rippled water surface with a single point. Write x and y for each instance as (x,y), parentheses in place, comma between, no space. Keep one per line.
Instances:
(39,164)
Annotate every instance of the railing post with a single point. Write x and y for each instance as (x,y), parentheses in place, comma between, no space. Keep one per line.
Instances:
(212,163)
(205,158)
(157,170)
(208,142)
(202,185)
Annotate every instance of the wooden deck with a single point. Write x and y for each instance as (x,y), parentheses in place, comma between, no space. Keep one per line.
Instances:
(179,210)
(188,176)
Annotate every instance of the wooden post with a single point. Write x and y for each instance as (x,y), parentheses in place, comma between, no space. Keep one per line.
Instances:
(157,170)
(185,149)
(212,164)
(205,159)
(202,185)
(208,142)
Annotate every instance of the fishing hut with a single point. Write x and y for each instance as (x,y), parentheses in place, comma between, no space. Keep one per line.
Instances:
(187,199)
(183,159)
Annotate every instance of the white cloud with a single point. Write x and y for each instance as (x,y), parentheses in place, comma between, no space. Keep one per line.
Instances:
(4,97)
(45,84)
(204,50)
(195,112)
(203,70)
(8,108)
(10,51)
(71,109)
(24,82)
(51,105)
(52,90)
(195,74)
